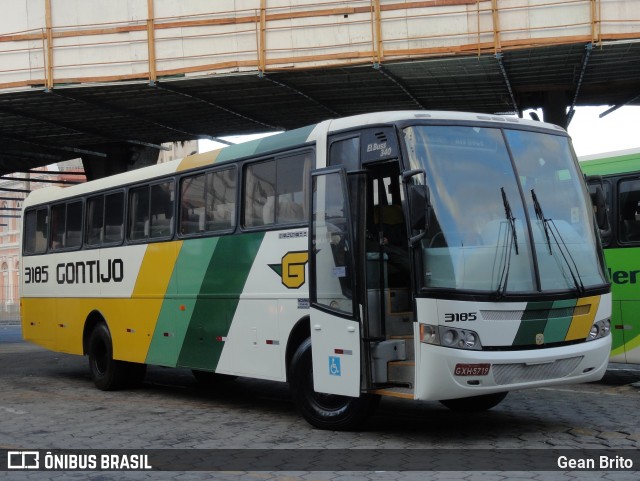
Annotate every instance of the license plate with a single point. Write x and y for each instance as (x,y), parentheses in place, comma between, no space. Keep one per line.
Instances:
(472,369)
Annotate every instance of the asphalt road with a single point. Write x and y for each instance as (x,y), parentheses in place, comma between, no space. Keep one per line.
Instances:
(48,402)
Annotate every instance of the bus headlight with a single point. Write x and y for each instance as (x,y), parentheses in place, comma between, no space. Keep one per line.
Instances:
(450,337)
(599,329)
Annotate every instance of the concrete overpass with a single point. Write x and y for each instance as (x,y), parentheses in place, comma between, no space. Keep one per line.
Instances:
(110,81)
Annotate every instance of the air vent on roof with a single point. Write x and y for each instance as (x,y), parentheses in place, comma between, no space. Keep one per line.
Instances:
(381,136)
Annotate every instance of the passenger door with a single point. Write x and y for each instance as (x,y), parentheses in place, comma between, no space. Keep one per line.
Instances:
(335,311)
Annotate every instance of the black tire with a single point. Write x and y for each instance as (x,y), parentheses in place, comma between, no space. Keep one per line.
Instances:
(108,374)
(325,411)
(475,404)
(212,379)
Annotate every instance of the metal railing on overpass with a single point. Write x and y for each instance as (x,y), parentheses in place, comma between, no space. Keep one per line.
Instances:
(127,41)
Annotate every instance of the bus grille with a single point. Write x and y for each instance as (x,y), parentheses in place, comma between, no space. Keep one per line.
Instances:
(558,312)
(517,373)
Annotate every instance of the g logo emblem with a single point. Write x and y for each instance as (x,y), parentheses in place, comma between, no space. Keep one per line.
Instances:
(291,270)
(539,339)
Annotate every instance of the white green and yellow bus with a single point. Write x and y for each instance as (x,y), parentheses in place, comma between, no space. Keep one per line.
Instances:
(424,255)
(619,175)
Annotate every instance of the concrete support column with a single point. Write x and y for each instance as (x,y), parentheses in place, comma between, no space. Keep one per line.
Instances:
(120,158)
(554,108)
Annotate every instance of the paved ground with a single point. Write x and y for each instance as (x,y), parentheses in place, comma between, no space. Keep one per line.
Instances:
(47,401)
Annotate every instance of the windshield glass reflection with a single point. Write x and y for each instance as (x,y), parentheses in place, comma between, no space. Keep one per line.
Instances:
(478,237)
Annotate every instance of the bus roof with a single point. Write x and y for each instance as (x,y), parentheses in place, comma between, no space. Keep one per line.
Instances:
(608,163)
(269,144)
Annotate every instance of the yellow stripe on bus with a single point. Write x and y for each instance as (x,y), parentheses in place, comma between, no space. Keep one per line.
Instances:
(133,324)
(581,323)
(61,322)
(198,160)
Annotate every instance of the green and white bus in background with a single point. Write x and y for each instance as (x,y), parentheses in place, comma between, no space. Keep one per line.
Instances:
(619,175)
(424,255)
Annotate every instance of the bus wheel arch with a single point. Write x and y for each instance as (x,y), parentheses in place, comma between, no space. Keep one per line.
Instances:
(93,319)
(300,332)
(325,411)
(107,373)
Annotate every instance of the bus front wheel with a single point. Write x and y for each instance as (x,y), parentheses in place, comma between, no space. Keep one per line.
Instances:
(325,411)
(480,403)
(107,373)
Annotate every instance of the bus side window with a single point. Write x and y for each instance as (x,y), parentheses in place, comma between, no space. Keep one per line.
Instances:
(161,219)
(192,194)
(95,219)
(113,217)
(345,153)
(58,213)
(208,202)
(260,193)
(275,191)
(629,210)
(221,200)
(292,177)
(35,231)
(139,213)
(73,230)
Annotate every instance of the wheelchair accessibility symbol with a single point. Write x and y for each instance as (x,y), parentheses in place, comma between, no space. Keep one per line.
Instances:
(334,366)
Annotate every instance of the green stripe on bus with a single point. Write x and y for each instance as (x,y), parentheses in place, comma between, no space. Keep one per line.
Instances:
(552,319)
(215,306)
(559,323)
(267,144)
(533,322)
(175,315)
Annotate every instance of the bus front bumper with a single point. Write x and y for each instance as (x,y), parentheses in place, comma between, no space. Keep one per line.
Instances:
(446,373)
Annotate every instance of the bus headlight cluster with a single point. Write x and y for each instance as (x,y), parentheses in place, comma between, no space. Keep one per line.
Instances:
(599,329)
(450,337)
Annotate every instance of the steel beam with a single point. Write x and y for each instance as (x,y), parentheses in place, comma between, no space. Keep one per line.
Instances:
(616,107)
(200,99)
(301,93)
(65,126)
(585,60)
(505,76)
(43,181)
(125,112)
(64,148)
(8,189)
(402,87)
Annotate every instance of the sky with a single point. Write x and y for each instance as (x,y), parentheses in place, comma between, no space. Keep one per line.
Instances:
(619,130)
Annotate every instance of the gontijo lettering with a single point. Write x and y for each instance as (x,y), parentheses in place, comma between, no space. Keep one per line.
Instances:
(79,272)
(89,272)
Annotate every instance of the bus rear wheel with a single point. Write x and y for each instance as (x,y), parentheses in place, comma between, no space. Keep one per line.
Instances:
(325,411)
(108,374)
(475,404)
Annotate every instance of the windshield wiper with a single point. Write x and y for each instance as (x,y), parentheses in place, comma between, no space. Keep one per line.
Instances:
(504,276)
(512,220)
(557,237)
(540,215)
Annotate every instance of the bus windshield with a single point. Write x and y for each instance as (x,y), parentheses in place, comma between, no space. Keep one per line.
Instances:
(509,213)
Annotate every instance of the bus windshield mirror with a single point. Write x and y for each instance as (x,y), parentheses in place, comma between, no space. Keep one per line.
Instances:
(419,211)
